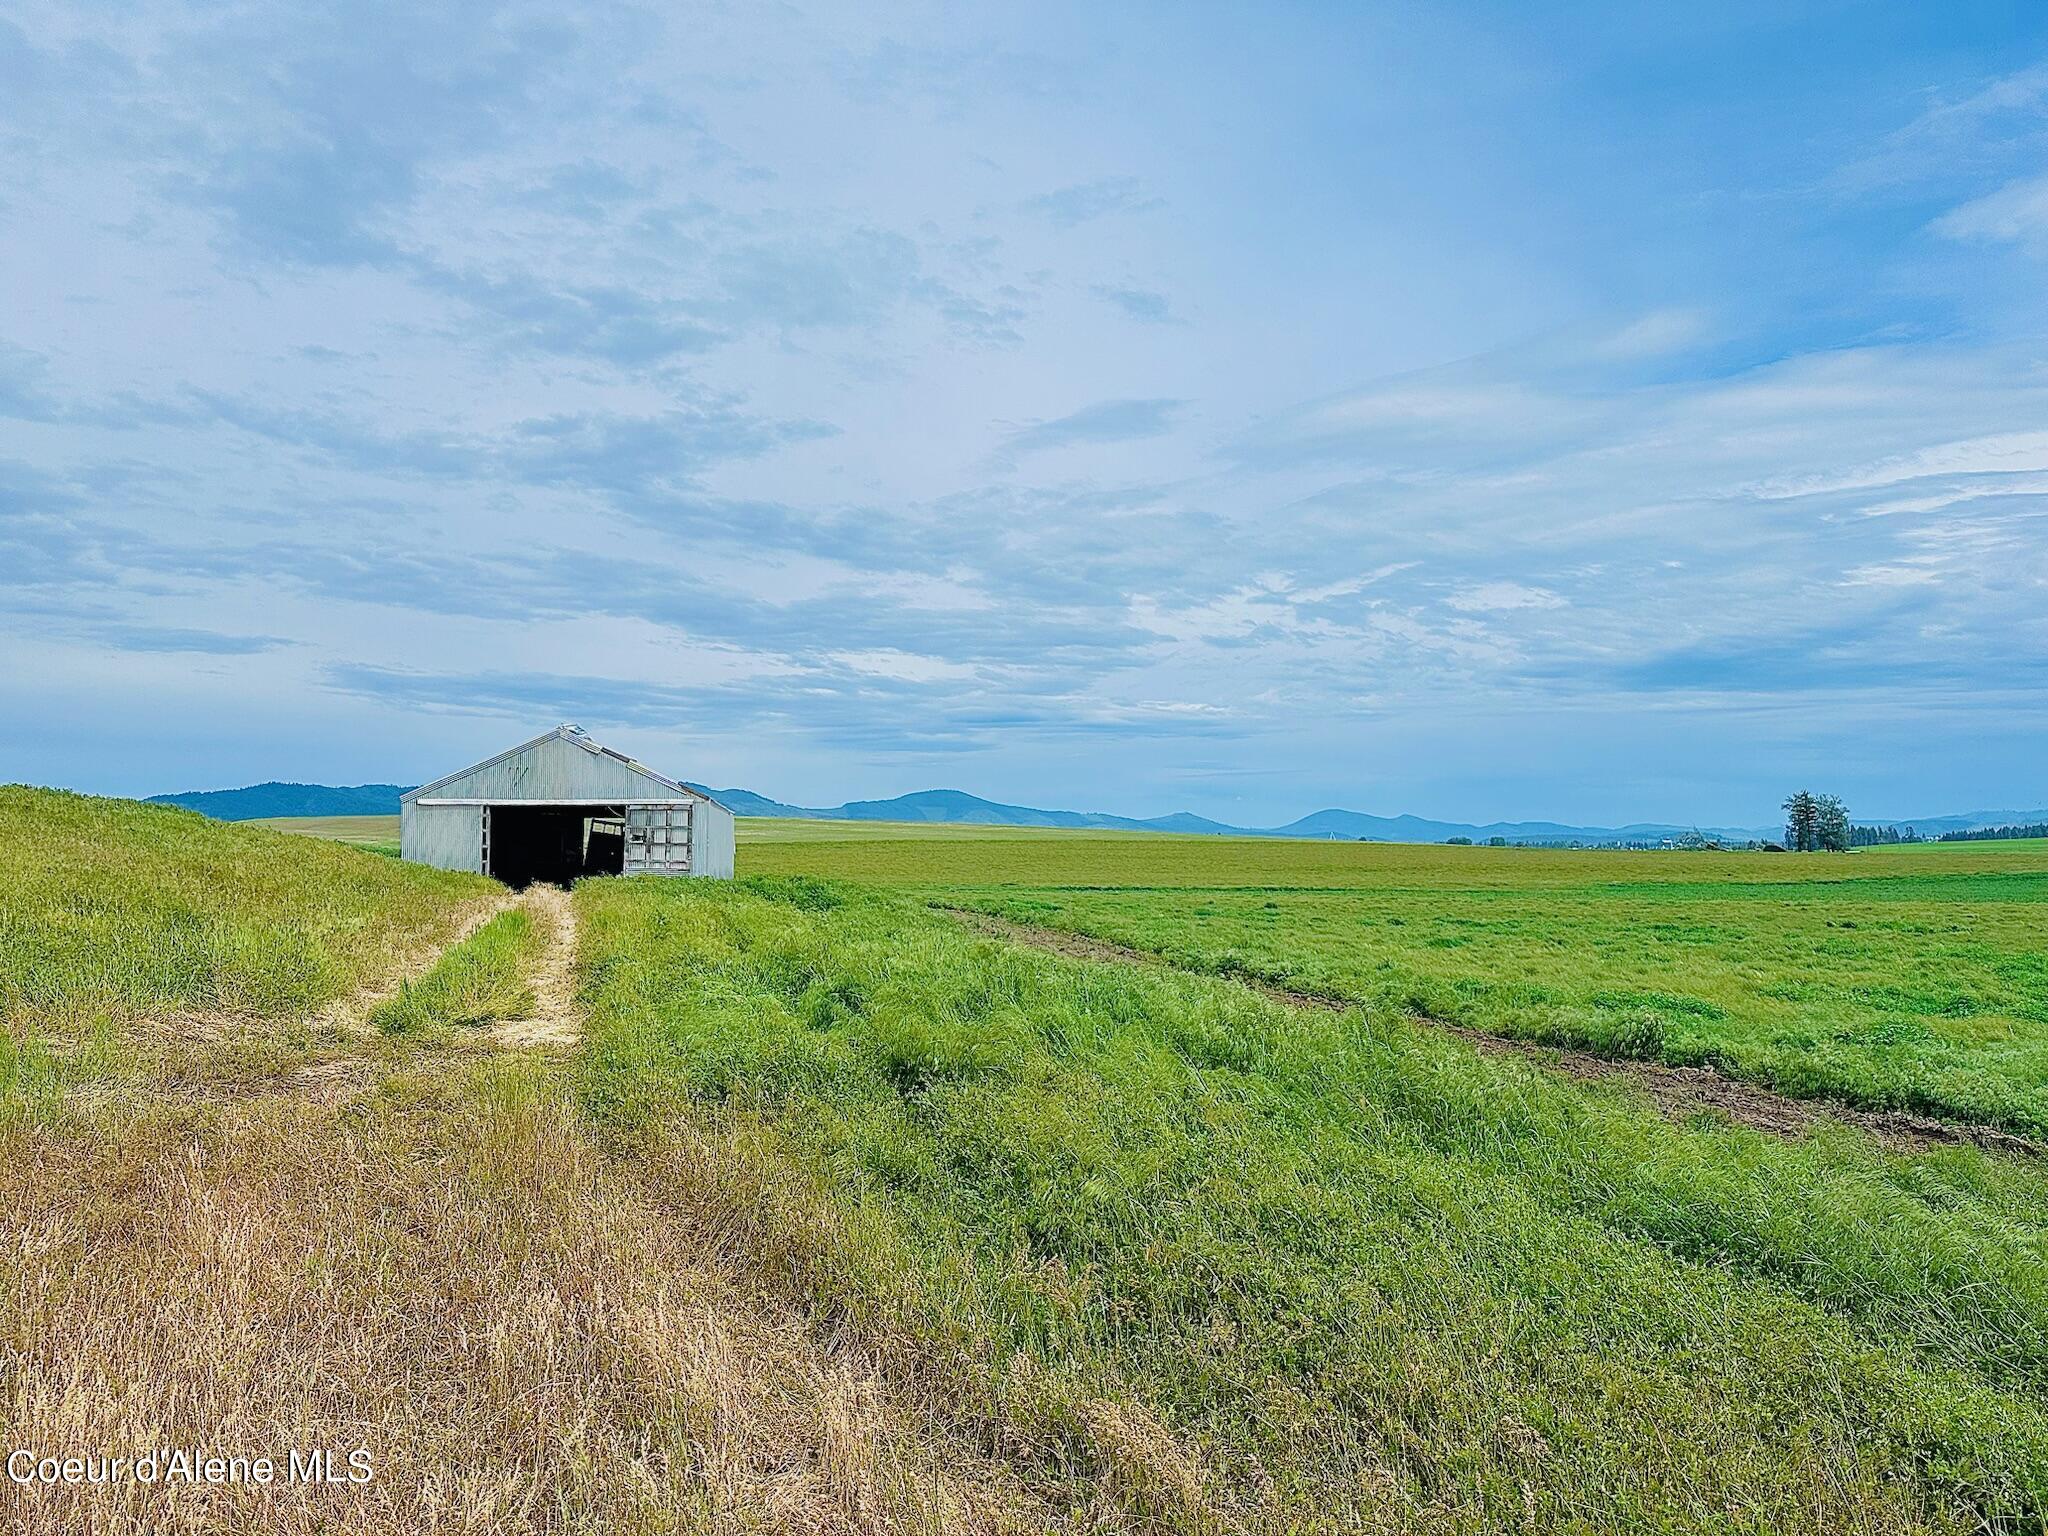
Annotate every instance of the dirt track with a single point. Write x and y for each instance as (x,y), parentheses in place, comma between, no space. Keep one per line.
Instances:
(1677,1091)
(554,1020)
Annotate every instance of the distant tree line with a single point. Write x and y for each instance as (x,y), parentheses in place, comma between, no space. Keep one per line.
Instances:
(1816,823)
(1996,834)
(1813,824)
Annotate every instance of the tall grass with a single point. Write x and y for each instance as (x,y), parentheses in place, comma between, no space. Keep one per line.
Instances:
(1256,1266)
(276,1238)
(1926,993)
(110,908)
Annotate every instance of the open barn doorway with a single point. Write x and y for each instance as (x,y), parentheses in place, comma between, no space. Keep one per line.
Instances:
(553,844)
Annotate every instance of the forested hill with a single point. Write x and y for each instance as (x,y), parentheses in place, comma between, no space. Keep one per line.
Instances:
(255,801)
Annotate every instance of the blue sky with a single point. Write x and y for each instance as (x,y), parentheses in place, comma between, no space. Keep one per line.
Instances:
(1595,412)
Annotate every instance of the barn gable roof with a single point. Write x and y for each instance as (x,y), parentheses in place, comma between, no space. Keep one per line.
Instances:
(620,770)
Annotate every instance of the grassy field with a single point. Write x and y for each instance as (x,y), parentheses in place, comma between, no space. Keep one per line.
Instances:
(376,832)
(1253,1266)
(841,1216)
(898,854)
(1911,978)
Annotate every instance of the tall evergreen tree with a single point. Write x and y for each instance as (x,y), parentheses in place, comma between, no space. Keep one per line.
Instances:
(1814,823)
(1802,822)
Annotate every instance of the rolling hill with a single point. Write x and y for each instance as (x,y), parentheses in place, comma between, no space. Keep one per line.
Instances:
(255,802)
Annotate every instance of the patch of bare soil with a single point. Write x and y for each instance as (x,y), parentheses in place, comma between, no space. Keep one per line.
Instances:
(554,1022)
(1677,1091)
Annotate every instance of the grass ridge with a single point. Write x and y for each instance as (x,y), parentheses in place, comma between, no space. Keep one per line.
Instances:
(485,977)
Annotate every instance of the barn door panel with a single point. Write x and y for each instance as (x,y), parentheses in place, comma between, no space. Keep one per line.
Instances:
(658,839)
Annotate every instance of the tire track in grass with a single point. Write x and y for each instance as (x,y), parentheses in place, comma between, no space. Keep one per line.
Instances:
(200,1055)
(1676,1091)
(554,1022)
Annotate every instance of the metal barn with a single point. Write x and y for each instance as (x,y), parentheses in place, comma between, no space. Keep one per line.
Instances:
(560,807)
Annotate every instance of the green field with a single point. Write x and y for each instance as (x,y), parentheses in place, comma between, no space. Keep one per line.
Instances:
(1240,1258)
(845,1211)
(378,832)
(1912,978)
(899,853)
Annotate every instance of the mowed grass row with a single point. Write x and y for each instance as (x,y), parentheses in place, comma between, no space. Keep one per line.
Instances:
(110,908)
(1246,1265)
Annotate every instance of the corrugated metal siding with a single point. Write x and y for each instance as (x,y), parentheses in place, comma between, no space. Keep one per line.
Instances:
(555,769)
(712,854)
(445,836)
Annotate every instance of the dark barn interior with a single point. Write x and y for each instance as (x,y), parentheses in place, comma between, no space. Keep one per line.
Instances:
(555,844)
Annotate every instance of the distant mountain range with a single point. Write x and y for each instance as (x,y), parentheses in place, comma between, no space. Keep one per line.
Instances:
(956,806)
(952,805)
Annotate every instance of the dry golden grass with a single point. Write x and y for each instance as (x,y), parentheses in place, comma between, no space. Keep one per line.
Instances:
(439,1267)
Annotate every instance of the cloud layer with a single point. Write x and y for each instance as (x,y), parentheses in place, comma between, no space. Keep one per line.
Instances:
(1026,407)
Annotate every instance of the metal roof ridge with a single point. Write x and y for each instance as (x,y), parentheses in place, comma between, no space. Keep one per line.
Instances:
(582,738)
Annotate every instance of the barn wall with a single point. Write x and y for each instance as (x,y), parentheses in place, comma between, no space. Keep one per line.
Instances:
(445,836)
(711,853)
(554,769)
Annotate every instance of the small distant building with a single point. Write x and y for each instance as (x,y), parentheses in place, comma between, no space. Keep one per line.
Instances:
(560,807)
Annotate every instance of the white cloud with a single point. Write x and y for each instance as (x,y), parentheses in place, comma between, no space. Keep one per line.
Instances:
(1656,334)
(2011,485)
(1954,134)
(2003,453)
(1906,573)
(1502,597)
(1350,585)
(1432,402)
(1227,616)
(903,667)
(2016,212)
